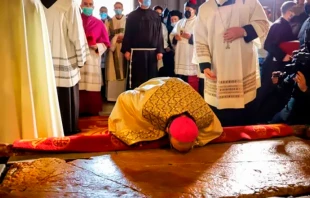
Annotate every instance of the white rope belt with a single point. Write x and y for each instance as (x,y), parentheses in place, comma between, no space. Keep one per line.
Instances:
(130,65)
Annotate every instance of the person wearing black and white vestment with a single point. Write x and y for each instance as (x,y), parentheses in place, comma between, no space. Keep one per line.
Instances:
(227,56)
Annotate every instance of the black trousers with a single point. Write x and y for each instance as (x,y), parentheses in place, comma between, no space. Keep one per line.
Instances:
(236,117)
(103,88)
(201,86)
(168,68)
(68,98)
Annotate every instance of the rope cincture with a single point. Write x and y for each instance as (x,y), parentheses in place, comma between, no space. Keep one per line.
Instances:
(130,65)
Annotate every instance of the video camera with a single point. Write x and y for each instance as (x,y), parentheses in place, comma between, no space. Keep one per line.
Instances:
(301,59)
(300,62)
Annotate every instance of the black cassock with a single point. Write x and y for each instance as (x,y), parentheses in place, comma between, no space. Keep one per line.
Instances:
(143,30)
(268,99)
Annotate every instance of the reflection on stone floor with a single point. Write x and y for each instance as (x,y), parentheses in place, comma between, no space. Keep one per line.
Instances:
(277,167)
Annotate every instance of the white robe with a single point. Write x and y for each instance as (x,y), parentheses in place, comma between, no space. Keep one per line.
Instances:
(29,103)
(237,68)
(183,50)
(116,83)
(68,41)
(262,53)
(116,28)
(91,77)
(165,37)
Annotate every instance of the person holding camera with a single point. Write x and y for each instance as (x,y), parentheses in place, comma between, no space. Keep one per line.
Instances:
(268,100)
(296,111)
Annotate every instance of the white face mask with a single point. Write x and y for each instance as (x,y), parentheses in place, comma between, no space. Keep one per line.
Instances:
(221,2)
(173,24)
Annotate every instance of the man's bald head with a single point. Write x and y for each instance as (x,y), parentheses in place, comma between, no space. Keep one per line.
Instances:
(87,3)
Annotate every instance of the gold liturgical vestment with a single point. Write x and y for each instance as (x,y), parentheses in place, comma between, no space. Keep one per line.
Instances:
(28,102)
(141,114)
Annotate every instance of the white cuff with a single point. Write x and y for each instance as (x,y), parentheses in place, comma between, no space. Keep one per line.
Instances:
(101,48)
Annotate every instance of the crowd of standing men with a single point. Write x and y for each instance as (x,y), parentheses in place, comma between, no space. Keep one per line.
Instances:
(213,48)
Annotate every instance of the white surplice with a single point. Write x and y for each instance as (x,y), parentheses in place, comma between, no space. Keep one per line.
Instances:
(165,37)
(91,77)
(237,68)
(29,103)
(183,50)
(116,69)
(262,53)
(68,41)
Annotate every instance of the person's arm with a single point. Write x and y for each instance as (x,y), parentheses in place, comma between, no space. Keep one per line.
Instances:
(110,30)
(101,48)
(103,42)
(286,86)
(159,39)
(128,36)
(77,35)
(165,36)
(173,33)
(258,26)
(201,45)
(273,41)
(307,94)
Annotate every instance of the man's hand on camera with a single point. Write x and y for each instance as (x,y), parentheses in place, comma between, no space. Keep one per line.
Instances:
(287,58)
(301,81)
(275,77)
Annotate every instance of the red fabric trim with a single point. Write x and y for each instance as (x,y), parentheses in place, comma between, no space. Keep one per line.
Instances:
(194,82)
(96,138)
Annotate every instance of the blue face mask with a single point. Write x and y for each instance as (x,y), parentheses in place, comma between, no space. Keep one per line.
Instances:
(147,3)
(88,11)
(118,11)
(103,15)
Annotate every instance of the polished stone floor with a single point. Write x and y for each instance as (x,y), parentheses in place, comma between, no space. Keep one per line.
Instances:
(277,167)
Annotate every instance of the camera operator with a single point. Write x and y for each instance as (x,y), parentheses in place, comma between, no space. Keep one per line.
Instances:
(268,102)
(297,110)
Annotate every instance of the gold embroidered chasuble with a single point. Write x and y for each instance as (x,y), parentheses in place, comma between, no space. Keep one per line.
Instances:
(141,114)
